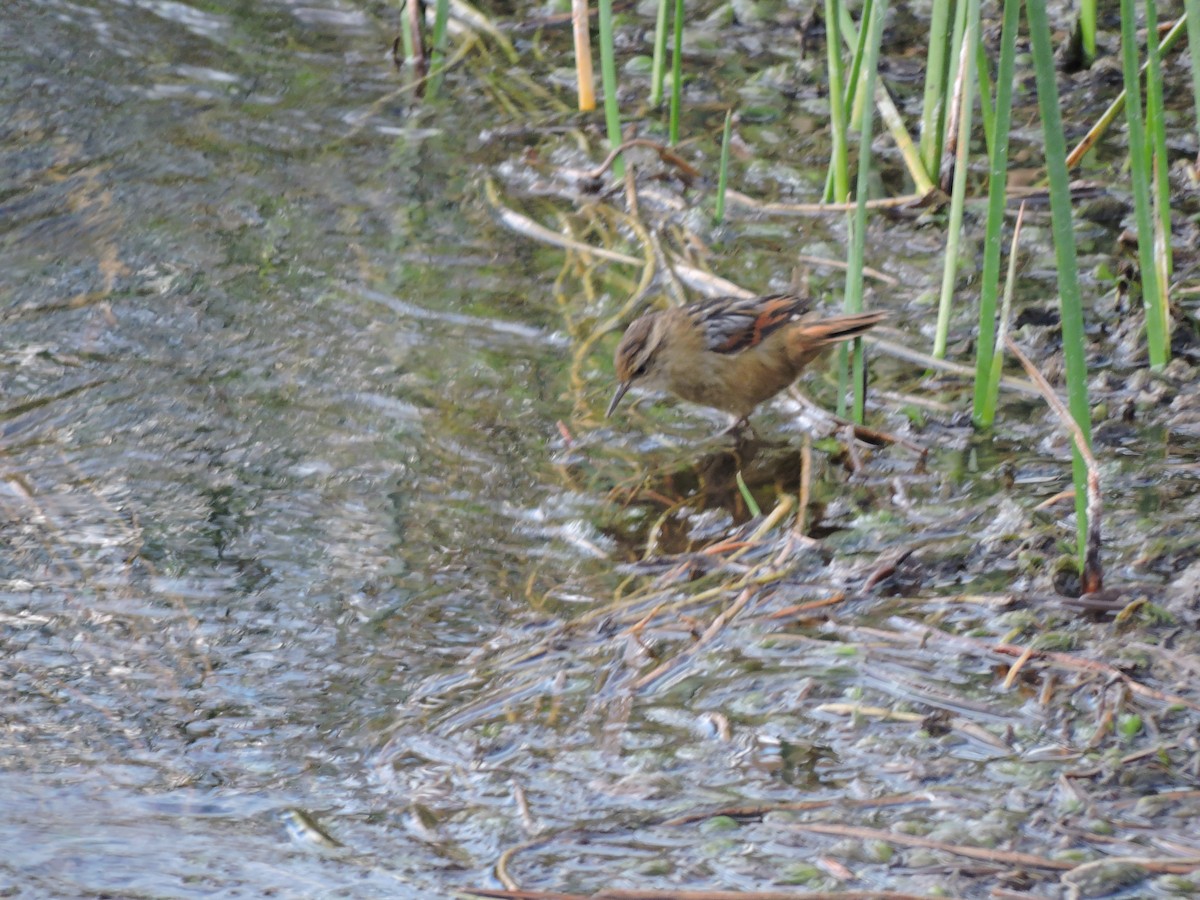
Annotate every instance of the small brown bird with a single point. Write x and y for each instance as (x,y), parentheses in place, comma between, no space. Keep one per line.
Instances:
(729,353)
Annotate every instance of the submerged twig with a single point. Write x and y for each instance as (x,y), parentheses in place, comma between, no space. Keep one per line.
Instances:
(797,608)
(864,433)
(707,283)
(665,153)
(1081,874)
(1016,667)
(758,810)
(718,624)
(676,894)
(1007,857)
(899,351)
(824,209)
(1054,658)
(501,867)
(840,265)
(800,526)
(526,226)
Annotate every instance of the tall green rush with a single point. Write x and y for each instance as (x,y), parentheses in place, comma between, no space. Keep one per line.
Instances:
(608,75)
(1156,126)
(1087,31)
(858,230)
(410,34)
(933,113)
(857,98)
(968,59)
(676,71)
(1192,14)
(1141,164)
(1064,248)
(723,171)
(438,54)
(984,403)
(659,65)
(839,163)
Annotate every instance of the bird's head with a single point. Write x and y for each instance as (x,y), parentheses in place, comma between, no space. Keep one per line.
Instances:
(638,357)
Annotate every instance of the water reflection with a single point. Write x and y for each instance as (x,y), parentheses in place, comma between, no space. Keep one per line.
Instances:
(251,350)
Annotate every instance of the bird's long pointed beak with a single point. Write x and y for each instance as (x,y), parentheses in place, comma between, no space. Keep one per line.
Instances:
(621,389)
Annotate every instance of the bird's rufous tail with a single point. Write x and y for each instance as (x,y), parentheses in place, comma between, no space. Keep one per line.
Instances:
(806,339)
(834,329)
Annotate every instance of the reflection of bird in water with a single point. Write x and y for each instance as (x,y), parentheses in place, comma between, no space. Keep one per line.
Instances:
(710,481)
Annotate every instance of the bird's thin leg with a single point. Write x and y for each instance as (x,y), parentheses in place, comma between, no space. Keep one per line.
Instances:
(740,427)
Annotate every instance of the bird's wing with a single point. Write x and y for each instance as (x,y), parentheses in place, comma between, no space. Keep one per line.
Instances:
(732,324)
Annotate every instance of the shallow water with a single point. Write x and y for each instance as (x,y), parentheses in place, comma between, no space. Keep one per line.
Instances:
(304,591)
(267,397)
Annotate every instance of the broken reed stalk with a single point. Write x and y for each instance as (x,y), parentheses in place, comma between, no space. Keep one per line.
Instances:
(584,77)
(985,412)
(1170,39)
(413,35)
(1092,577)
(801,524)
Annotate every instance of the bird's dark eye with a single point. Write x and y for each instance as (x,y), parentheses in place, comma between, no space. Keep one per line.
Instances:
(639,371)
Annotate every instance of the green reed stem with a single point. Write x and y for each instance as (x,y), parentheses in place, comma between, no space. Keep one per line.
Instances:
(984,402)
(838,190)
(676,72)
(1192,14)
(744,490)
(858,232)
(408,41)
(1156,127)
(933,111)
(958,194)
(1141,165)
(723,170)
(889,115)
(658,67)
(1087,31)
(1062,227)
(954,54)
(986,114)
(608,76)
(438,54)
(857,99)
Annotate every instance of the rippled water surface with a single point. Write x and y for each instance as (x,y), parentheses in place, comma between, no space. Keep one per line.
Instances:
(313,570)
(271,394)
